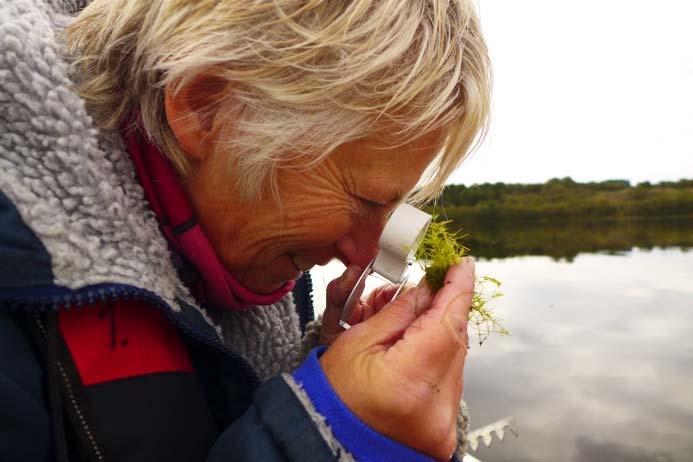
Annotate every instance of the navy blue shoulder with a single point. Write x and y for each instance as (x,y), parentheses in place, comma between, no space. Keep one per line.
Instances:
(25,260)
(26,425)
(275,428)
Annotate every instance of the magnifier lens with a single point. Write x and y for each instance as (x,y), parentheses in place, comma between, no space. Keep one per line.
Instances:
(354,297)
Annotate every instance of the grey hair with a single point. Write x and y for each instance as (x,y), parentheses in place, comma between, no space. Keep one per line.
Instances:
(308,75)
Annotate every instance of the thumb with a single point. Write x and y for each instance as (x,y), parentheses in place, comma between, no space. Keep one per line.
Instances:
(388,324)
(442,333)
(338,289)
(337,293)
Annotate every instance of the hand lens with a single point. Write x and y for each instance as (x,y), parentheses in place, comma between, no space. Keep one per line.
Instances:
(398,244)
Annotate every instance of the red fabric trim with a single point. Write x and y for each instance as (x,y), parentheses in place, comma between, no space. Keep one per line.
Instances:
(170,203)
(121,340)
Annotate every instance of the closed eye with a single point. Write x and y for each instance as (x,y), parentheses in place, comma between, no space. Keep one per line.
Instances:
(371,204)
(370,207)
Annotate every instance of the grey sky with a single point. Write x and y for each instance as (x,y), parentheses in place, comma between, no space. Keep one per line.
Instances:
(592,89)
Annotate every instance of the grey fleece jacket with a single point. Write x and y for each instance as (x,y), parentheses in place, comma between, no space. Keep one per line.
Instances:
(75,187)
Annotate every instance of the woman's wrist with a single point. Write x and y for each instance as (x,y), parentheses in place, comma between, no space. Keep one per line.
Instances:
(357,437)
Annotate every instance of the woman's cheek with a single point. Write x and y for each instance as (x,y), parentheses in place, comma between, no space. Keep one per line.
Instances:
(326,228)
(330,229)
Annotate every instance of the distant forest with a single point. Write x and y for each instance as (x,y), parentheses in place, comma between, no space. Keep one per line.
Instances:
(562,199)
(562,218)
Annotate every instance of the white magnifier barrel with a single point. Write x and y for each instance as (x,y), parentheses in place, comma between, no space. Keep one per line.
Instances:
(398,244)
(400,240)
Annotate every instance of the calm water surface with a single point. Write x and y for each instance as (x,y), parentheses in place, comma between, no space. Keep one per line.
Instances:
(599,363)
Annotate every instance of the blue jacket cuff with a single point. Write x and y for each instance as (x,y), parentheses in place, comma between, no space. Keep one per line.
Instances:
(364,443)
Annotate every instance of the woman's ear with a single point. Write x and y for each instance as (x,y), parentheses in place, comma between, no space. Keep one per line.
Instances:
(191,110)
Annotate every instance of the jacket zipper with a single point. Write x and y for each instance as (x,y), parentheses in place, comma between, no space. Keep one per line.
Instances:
(303,296)
(111,294)
(310,308)
(61,375)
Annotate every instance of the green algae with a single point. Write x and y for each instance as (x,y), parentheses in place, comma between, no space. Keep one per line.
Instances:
(441,248)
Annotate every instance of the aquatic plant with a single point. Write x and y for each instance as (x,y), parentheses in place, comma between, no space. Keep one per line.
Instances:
(441,248)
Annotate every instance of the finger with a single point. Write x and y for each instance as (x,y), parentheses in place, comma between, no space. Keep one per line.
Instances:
(367,311)
(339,289)
(451,386)
(356,314)
(388,324)
(454,378)
(337,293)
(391,322)
(425,297)
(459,279)
(434,349)
(381,296)
(395,317)
(375,300)
(438,340)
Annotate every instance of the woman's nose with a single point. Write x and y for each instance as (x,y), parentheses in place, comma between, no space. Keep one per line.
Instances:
(360,246)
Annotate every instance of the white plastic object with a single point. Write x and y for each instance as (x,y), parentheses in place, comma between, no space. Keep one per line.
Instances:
(399,241)
(398,244)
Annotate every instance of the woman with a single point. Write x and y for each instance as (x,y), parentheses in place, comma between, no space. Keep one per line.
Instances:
(169,170)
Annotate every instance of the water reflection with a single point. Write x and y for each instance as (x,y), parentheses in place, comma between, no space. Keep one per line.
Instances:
(599,363)
(589,450)
(567,240)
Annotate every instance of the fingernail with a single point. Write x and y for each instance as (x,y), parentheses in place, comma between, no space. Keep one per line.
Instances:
(349,277)
(409,295)
(471,264)
(353,271)
(423,299)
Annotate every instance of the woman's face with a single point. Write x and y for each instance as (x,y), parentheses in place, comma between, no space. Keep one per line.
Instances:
(337,209)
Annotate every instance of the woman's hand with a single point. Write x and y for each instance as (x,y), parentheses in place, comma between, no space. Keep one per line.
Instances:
(338,291)
(401,370)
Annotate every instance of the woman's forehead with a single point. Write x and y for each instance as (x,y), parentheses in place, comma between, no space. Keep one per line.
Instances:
(387,172)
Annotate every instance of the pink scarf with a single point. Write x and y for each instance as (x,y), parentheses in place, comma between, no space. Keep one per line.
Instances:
(179,225)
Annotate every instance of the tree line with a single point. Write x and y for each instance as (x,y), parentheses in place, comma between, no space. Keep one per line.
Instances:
(565,240)
(565,199)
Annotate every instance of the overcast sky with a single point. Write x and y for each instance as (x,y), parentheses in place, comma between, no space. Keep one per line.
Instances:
(592,89)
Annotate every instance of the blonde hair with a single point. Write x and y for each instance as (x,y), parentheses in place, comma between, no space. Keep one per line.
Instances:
(308,75)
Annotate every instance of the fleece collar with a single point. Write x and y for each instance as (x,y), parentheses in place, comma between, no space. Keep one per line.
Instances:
(76,190)
(182,230)
(74,186)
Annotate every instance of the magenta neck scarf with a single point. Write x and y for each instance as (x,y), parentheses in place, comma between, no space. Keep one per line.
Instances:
(179,225)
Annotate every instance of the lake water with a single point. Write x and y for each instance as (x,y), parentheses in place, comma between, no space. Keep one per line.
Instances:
(598,366)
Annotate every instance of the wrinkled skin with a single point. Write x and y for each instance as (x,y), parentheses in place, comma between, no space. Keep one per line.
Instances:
(399,368)
(337,209)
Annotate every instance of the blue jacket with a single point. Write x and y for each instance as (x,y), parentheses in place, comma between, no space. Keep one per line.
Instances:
(76,232)
(242,420)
